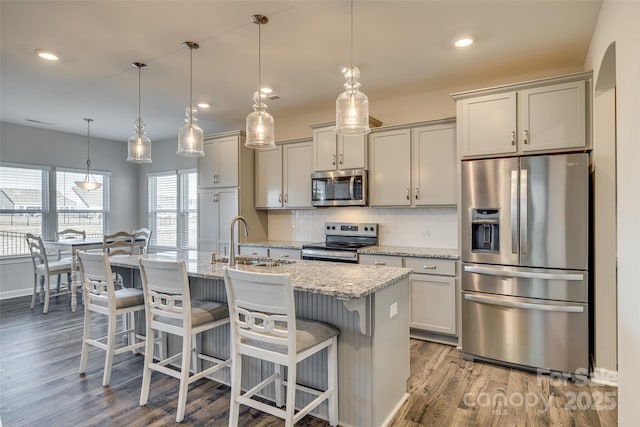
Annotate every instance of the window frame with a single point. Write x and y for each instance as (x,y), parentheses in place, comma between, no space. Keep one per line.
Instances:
(181,211)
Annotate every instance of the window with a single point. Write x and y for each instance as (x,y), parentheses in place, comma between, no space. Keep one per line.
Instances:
(173,200)
(24,206)
(79,209)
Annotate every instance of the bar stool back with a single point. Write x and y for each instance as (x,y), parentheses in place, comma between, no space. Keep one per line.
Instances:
(264,326)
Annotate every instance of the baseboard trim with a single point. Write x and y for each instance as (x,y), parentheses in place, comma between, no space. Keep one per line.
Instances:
(604,376)
(15,293)
(395,410)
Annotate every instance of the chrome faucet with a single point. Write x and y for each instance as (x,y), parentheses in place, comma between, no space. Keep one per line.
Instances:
(232,249)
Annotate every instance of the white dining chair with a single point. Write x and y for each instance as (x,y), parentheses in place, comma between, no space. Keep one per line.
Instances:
(68,233)
(170,310)
(44,269)
(264,326)
(101,297)
(141,239)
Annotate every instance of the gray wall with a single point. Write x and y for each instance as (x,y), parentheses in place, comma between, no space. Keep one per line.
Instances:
(36,146)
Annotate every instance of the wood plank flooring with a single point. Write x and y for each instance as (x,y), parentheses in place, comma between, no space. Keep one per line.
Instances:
(40,386)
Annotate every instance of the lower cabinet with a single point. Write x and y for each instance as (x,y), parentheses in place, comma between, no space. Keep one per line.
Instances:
(433,291)
(271,252)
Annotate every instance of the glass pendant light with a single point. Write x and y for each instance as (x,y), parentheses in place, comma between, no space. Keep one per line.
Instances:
(190,136)
(139,144)
(89,182)
(352,105)
(259,123)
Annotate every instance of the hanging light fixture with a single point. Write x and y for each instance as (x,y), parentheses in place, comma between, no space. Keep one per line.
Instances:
(352,105)
(190,136)
(139,144)
(259,122)
(89,182)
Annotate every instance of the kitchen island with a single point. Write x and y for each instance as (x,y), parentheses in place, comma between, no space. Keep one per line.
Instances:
(370,306)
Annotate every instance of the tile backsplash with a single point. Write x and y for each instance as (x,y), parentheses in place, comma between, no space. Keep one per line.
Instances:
(421,227)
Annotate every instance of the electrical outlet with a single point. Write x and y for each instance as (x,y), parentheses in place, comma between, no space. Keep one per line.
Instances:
(393,310)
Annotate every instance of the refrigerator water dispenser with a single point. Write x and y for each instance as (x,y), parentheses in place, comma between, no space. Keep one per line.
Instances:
(485,230)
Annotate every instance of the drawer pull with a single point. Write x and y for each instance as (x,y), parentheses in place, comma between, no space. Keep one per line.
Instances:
(379,263)
(429,267)
(284,255)
(254,253)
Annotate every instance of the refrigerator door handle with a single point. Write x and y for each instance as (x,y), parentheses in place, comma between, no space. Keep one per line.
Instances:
(525,305)
(514,211)
(524,274)
(524,207)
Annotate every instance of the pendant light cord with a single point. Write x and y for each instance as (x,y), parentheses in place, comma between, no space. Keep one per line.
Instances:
(88,148)
(139,97)
(352,36)
(260,66)
(190,86)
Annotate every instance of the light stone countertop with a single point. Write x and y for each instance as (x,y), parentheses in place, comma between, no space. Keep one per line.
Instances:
(407,251)
(342,280)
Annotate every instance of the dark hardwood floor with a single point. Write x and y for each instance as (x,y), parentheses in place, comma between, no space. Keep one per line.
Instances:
(40,386)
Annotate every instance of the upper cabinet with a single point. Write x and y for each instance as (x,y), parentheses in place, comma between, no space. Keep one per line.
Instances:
(333,152)
(219,166)
(414,166)
(283,176)
(538,116)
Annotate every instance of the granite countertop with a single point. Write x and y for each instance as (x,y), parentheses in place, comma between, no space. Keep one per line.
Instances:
(407,251)
(282,244)
(342,280)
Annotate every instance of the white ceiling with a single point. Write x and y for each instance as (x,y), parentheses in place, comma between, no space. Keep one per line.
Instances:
(400,47)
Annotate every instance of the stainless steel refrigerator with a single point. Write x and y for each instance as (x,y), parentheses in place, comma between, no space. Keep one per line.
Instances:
(525,253)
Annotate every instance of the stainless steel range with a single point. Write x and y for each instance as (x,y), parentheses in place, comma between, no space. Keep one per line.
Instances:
(342,241)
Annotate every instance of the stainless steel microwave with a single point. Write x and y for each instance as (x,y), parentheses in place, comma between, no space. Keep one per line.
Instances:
(339,188)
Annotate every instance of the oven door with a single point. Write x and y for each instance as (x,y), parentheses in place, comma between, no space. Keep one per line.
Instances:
(339,188)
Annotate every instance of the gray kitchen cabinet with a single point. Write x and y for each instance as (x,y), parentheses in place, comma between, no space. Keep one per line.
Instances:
(414,165)
(219,167)
(225,190)
(537,116)
(216,209)
(283,176)
(433,292)
(253,250)
(434,165)
(334,152)
(285,253)
(390,171)
(433,295)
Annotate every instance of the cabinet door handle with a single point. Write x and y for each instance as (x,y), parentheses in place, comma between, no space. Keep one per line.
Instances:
(286,197)
(215,198)
(417,194)
(429,267)
(513,138)
(526,136)
(408,197)
(284,255)
(333,159)
(280,198)
(341,158)
(215,179)
(379,263)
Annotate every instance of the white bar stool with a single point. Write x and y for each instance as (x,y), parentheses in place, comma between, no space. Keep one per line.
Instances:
(264,326)
(169,309)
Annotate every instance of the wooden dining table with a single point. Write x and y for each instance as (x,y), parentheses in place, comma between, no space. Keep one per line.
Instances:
(72,246)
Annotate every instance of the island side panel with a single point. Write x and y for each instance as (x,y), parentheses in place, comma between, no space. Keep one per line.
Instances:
(391,349)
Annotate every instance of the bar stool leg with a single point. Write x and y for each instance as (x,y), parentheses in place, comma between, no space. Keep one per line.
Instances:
(184,378)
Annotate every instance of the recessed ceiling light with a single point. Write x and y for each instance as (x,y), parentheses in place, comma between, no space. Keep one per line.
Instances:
(204,105)
(266,90)
(46,54)
(463,41)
